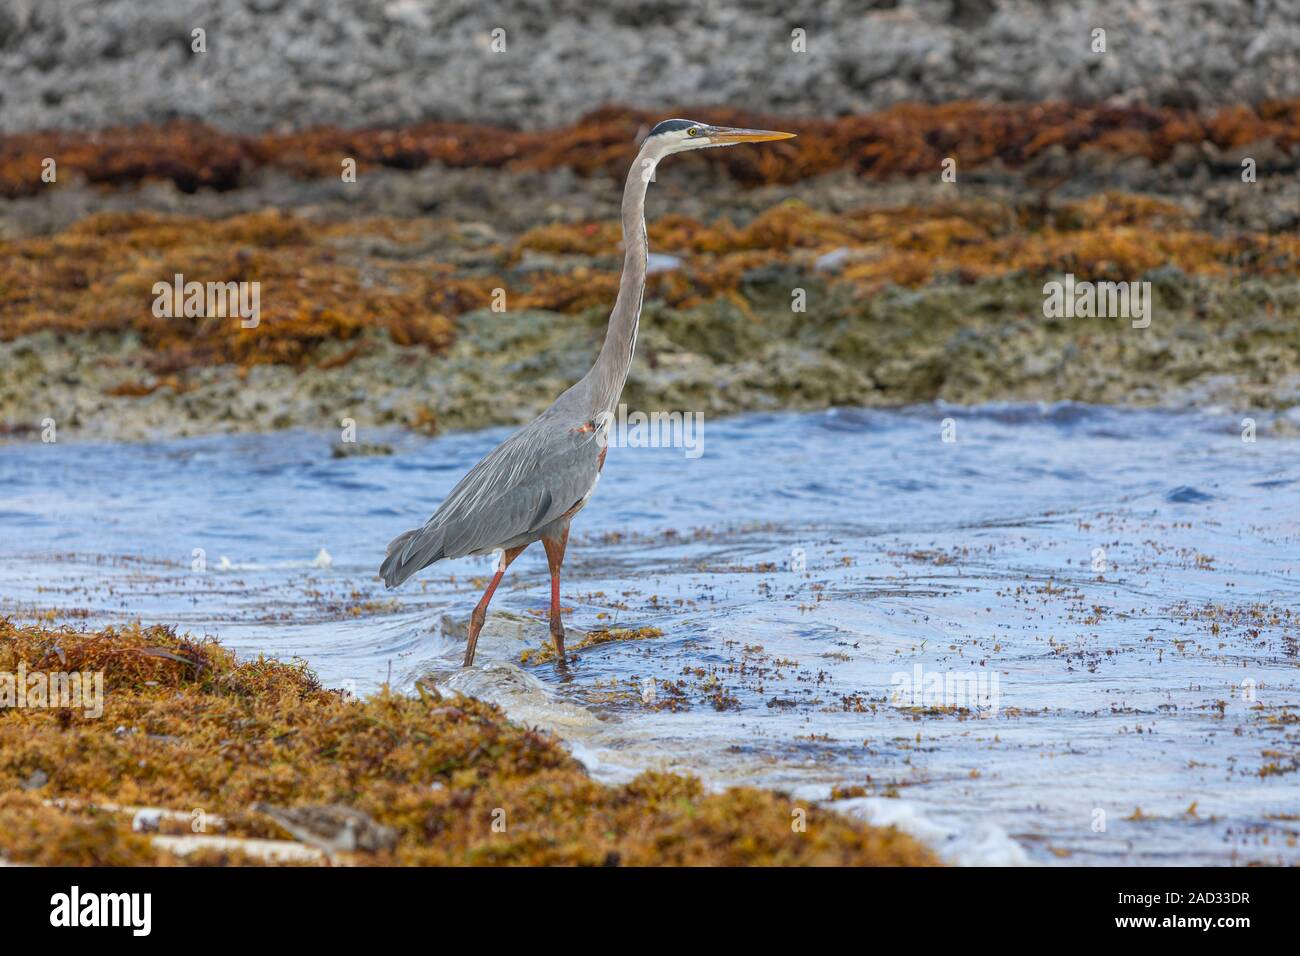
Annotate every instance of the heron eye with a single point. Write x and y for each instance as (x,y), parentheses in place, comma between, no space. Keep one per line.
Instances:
(692,131)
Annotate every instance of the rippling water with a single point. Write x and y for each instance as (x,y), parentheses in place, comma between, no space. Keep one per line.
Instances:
(1108,600)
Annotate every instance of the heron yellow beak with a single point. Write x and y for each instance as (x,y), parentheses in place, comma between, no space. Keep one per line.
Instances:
(725,134)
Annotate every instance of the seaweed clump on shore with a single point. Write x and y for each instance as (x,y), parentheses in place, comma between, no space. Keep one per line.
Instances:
(325,291)
(187,727)
(117,272)
(546,653)
(905,140)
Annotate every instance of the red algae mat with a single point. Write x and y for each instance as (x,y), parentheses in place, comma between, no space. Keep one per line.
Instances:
(906,140)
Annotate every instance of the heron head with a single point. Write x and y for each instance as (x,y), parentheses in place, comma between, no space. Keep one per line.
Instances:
(679,135)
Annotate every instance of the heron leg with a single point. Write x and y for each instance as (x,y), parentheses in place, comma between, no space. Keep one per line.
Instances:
(555,557)
(480,613)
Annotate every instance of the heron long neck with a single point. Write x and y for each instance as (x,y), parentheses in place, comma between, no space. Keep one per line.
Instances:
(610,371)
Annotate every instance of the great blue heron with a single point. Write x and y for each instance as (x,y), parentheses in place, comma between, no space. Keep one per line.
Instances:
(530,486)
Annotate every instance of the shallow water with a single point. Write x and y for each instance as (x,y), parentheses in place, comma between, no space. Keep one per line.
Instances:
(1108,597)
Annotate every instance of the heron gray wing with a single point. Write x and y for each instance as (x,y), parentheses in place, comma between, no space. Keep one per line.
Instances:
(521,486)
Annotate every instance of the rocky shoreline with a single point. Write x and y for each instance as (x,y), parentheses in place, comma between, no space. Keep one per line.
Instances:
(911,297)
(450,296)
(264,64)
(1246,368)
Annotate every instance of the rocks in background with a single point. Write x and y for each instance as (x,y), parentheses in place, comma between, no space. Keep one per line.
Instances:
(275,63)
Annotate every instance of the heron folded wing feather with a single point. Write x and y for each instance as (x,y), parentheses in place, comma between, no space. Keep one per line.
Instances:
(425,547)
(515,513)
(408,553)
(525,483)
(543,509)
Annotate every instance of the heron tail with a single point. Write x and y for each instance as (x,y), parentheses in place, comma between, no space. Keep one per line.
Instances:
(409,552)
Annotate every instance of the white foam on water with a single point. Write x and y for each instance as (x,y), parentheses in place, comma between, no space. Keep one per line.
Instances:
(980,844)
(521,695)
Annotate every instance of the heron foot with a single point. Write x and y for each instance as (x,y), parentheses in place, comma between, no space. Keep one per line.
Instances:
(476,621)
(557,635)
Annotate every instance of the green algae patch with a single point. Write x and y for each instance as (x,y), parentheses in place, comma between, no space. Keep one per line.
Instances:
(546,652)
(187,727)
